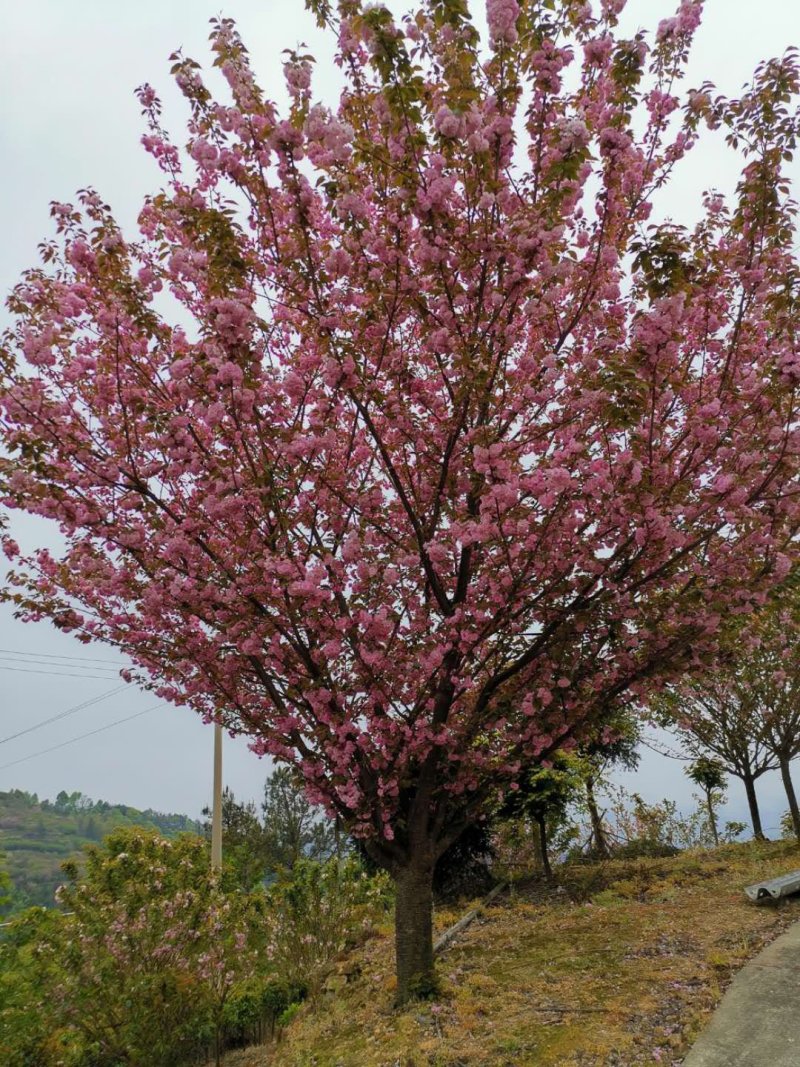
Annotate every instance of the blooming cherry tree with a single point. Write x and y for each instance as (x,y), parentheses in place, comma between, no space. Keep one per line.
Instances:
(745,710)
(772,672)
(717,718)
(401,438)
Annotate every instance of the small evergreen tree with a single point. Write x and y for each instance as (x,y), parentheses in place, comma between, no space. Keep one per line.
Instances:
(244,840)
(709,774)
(616,745)
(294,828)
(290,829)
(543,797)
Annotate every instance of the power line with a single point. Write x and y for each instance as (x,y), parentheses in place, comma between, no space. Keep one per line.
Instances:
(78,665)
(55,655)
(55,674)
(50,665)
(80,737)
(64,714)
(665,751)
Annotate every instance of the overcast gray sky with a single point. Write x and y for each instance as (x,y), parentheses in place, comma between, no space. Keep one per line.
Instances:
(68,119)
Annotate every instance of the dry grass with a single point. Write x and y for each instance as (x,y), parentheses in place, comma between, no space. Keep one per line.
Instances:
(620,968)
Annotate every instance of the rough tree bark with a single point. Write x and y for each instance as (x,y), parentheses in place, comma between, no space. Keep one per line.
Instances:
(791,796)
(752,803)
(538,859)
(712,819)
(414,929)
(540,830)
(598,830)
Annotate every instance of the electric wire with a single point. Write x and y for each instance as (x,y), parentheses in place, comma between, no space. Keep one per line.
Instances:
(53,655)
(664,751)
(80,737)
(52,665)
(64,714)
(56,674)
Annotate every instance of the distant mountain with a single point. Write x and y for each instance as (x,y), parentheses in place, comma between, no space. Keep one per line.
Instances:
(37,836)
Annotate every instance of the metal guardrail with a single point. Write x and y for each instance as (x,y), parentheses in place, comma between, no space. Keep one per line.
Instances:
(775,888)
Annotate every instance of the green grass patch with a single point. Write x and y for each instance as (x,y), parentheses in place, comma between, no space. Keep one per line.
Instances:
(630,959)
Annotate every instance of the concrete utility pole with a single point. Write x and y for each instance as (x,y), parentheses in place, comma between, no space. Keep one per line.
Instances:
(216,810)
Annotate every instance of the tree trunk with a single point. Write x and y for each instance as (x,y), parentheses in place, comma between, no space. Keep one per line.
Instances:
(542,830)
(538,858)
(337,835)
(788,785)
(413,916)
(598,830)
(712,819)
(752,803)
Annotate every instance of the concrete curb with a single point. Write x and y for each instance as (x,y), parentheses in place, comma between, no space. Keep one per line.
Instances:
(757,1023)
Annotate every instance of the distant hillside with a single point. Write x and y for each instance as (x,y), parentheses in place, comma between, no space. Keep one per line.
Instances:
(37,836)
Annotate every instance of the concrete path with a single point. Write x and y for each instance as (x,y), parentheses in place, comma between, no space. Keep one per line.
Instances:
(757,1023)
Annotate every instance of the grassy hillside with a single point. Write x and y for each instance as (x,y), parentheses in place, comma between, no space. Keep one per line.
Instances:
(37,836)
(619,966)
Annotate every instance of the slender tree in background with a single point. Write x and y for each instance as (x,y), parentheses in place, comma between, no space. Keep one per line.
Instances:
(599,840)
(400,431)
(243,845)
(746,711)
(543,797)
(615,746)
(293,828)
(5,885)
(715,719)
(754,692)
(770,673)
(710,776)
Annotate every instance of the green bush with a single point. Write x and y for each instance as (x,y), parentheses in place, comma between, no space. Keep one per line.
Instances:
(28,1036)
(319,910)
(639,847)
(288,1014)
(153,961)
(140,965)
(254,1009)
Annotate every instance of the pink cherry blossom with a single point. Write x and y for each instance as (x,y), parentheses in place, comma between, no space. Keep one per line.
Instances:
(410,450)
(502,16)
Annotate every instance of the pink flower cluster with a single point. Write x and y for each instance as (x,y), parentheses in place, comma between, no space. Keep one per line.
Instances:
(684,23)
(413,452)
(501,16)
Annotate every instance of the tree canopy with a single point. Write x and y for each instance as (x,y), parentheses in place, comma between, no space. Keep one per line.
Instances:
(404,437)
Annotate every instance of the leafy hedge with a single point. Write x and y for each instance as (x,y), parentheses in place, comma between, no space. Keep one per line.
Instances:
(154,960)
